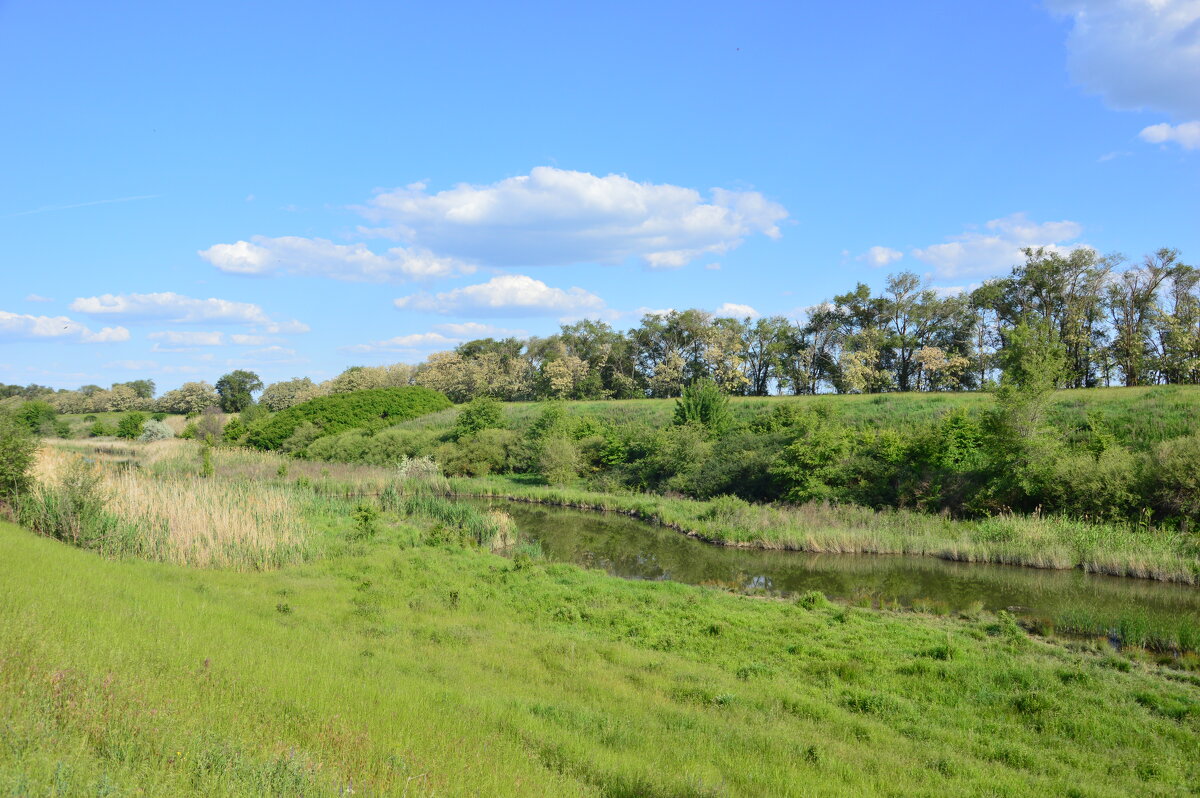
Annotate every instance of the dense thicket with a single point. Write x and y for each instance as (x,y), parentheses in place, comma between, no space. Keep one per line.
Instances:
(368,410)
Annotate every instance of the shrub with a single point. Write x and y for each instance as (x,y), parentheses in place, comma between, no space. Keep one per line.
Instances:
(156,430)
(559,461)
(297,443)
(370,409)
(1176,471)
(703,402)
(482,412)
(488,451)
(37,416)
(158,416)
(100,429)
(130,425)
(17,447)
(210,425)
(234,430)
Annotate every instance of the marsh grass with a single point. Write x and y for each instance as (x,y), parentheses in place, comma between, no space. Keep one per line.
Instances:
(182,520)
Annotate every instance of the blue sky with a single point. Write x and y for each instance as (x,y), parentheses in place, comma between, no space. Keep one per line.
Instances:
(299,187)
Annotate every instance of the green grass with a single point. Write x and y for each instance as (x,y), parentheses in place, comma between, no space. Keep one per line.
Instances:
(1137,417)
(404,669)
(1032,541)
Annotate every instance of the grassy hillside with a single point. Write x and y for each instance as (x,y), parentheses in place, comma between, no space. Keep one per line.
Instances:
(1138,417)
(370,409)
(402,668)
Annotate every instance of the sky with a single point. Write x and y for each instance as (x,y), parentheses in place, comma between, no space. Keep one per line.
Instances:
(297,187)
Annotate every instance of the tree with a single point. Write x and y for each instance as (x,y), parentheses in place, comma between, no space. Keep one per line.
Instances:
(130,426)
(17,448)
(237,389)
(1131,300)
(282,395)
(191,397)
(143,389)
(482,412)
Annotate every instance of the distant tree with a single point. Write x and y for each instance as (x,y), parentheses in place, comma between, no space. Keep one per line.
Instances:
(191,397)
(144,389)
(282,395)
(237,389)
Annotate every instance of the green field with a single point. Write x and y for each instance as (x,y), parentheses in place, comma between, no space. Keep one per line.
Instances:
(401,658)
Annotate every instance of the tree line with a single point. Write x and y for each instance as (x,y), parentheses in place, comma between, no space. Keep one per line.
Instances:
(1113,324)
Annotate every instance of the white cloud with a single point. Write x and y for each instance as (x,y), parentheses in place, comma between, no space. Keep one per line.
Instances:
(1186,135)
(406,343)
(178,309)
(249,340)
(1137,54)
(188,338)
(881,256)
(323,258)
(25,327)
(269,355)
(506,295)
(713,267)
(998,247)
(732,310)
(473,329)
(38,298)
(559,217)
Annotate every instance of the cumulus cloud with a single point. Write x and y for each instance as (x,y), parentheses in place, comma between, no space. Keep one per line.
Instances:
(732,310)
(1136,54)
(997,247)
(25,327)
(1186,135)
(506,295)
(559,217)
(178,309)
(322,258)
(881,256)
(188,338)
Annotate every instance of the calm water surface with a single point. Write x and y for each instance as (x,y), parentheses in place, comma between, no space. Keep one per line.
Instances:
(634,549)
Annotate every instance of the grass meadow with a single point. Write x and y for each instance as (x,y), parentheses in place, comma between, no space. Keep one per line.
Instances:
(390,652)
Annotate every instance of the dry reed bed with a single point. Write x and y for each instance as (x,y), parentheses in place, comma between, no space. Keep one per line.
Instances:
(189,521)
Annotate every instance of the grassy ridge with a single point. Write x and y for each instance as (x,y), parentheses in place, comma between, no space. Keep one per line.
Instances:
(1032,541)
(1137,417)
(449,671)
(369,409)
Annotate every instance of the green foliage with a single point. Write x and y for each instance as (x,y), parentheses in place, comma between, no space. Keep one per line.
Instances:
(813,467)
(558,462)
(704,403)
(130,426)
(158,416)
(234,431)
(237,389)
(488,451)
(17,448)
(366,518)
(156,430)
(100,429)
(1176,476)
(482,412)
(37,416)
(206,461)
(371,409)
(190,431)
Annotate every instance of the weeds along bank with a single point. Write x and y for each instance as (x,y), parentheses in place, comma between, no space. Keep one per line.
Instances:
(405,663)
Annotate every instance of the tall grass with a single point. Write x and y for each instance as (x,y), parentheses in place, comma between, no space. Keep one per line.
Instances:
(181,520)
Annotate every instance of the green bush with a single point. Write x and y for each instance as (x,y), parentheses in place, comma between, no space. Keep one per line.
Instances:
(559,461)
(371,409)
(1176,480)
(130,425)
(703,402)
(17,447)
(37,416)
(100,429)
(482,412)
(189,432)
(488,451)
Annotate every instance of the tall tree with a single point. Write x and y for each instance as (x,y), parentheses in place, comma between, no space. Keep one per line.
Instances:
(237,389)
